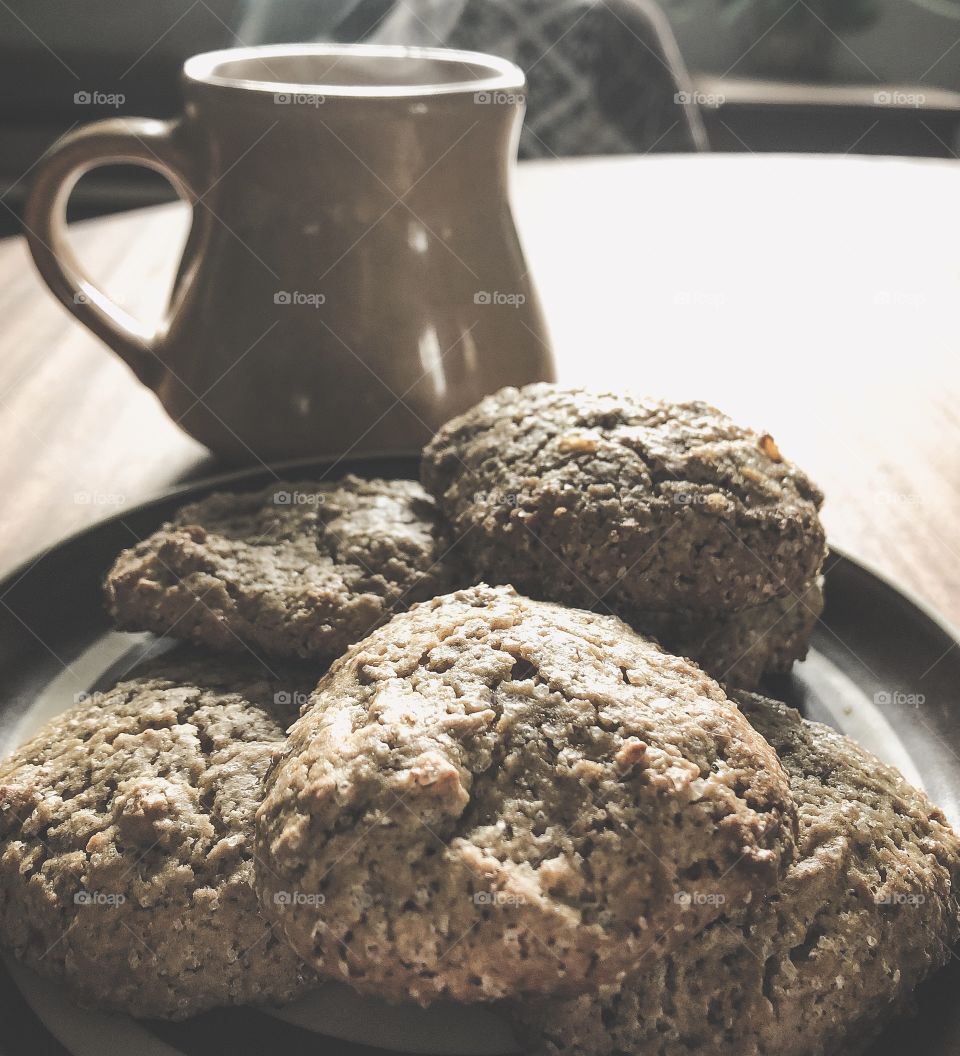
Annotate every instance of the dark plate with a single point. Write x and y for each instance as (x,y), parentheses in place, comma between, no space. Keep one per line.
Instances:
(882,668)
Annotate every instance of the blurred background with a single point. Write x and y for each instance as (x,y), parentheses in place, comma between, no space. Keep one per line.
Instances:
(606,77)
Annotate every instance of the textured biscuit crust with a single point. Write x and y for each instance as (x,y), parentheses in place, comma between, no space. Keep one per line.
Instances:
(492,795)
(243,570)
(738,648)
(613,501)
(865,912)
(125,843)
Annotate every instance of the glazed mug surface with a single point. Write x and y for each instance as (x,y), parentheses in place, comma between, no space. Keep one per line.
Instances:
(352,277)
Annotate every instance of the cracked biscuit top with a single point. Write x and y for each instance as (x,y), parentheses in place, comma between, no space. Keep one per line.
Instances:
(492,795)
(125,842)
(615,501)
(296,569)
(867,909)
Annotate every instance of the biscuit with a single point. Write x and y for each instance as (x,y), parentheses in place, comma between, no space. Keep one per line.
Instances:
(492,795)
(125,843)
(866,911)
(243,570)
(614,502)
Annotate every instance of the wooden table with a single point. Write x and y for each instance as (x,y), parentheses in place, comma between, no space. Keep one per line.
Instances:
(815,297)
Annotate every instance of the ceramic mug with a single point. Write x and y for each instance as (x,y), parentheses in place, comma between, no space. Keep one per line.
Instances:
(352,277)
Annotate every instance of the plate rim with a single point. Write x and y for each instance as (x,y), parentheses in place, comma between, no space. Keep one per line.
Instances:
(213,481)
(234,476)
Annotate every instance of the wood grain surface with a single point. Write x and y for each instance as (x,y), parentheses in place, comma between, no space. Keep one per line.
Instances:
(814,297)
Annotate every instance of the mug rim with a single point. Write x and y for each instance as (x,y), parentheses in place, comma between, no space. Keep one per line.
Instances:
(503,75)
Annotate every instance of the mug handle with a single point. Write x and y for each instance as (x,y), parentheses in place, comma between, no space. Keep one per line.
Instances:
(157,145)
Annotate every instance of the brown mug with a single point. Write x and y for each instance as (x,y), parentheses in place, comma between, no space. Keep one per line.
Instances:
(352,277)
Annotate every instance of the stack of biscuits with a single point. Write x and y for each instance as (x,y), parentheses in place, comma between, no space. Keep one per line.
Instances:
(488,738)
